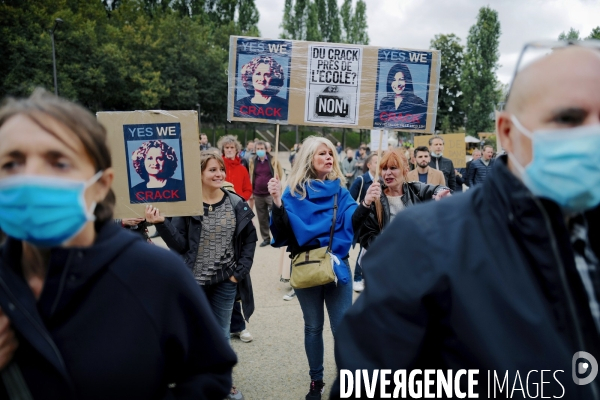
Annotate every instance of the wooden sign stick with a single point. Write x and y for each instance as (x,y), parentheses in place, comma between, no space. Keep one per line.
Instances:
(277,150)
(378,156)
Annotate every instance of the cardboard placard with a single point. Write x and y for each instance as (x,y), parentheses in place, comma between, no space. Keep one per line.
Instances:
(454,147)
(332,84)
(375,133)
(156,158)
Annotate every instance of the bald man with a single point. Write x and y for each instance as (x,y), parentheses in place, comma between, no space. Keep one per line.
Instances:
(516,314)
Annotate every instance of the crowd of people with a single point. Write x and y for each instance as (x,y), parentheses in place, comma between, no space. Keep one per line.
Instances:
(90,310)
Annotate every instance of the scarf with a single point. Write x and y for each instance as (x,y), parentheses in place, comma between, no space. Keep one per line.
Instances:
(310,218)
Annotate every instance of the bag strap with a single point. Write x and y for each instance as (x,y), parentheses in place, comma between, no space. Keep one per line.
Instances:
(362,182)
(335,207)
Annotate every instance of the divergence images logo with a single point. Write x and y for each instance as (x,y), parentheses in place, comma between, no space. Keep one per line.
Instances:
(583,367)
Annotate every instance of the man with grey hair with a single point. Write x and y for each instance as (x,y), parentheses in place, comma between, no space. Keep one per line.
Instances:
(522,299)
(441,163)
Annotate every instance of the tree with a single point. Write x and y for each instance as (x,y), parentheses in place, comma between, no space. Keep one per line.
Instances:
(571,35)
(287,22)
(313,32)
(334,32)
(359,24)
(595,34)
(354,22)
(248,17)
(450,115)
(478,79)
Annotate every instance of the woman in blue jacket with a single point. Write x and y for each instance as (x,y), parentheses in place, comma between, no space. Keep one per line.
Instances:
(301,220)
(98,313)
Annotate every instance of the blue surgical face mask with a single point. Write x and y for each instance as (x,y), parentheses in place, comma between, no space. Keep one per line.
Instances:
(565,167)
(261,153)
(44,211)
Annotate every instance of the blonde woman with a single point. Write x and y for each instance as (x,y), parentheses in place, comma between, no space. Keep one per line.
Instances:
(301,220)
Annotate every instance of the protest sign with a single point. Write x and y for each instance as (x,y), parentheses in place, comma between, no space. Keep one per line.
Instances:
(157,160)
(331,84)
(375,135)
(402,89)
(454,147)
(262,79)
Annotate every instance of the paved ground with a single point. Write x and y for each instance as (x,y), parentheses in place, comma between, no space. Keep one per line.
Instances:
(274,364)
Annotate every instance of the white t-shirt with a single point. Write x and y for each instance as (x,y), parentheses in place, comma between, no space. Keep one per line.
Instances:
(396,205)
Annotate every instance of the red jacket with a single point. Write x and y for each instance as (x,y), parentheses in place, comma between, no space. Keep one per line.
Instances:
(238,175)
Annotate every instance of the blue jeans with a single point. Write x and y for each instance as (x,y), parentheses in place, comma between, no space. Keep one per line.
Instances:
(358,276)
(337,299)
(221,297)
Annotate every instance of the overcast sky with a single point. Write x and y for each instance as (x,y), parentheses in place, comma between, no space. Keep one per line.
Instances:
(413,23)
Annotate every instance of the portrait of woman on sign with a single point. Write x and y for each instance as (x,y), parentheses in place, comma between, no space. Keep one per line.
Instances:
(156,163)
(262,78)
(400,105)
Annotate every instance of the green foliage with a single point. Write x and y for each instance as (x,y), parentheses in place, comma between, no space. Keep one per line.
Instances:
(595,34)
(354,22)
(125,54)
(491,141)
(313,32)
(319,20)
(478,82)
(571,35)
(333,32)
(450,110)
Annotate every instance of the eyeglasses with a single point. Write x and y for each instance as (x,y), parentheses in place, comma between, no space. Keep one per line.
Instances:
(534,51)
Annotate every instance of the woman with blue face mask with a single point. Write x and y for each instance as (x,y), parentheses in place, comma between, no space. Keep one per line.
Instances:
(98,313)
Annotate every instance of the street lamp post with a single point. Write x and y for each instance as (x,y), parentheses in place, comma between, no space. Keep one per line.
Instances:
(56,22)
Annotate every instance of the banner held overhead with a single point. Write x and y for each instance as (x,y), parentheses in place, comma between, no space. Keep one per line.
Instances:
(293,82)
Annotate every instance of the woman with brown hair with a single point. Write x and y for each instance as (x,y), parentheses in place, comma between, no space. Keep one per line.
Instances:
(98,312)
(379,206)
(218,246)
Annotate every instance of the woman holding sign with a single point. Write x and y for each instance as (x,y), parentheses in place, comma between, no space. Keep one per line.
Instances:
(379,207)
(302,220)
(98,312)
(218,246)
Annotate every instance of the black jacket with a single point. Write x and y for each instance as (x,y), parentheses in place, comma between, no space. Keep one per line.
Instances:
(479,172)
(121,319)
(512,301)
(182,235)
(364,220)
(447,167)
(365,181)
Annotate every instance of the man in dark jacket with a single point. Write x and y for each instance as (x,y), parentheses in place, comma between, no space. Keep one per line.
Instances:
(441,163)
(522,300)
(462,175)
(481,168)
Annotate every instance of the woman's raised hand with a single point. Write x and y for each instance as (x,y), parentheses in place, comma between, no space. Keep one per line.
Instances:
(274,187)
(373,193)
(153,215)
